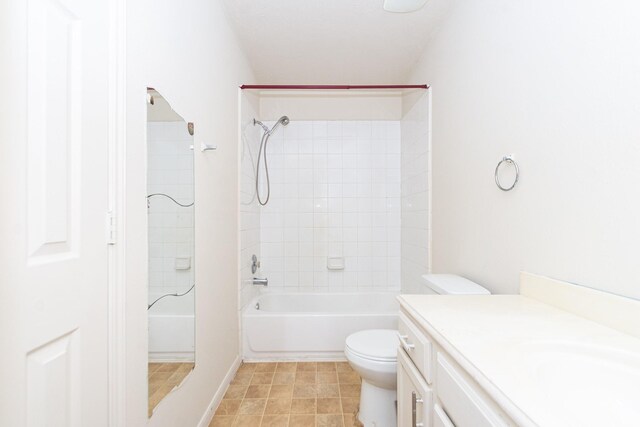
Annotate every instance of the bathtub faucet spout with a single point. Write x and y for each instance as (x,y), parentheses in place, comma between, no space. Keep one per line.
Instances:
(261,282)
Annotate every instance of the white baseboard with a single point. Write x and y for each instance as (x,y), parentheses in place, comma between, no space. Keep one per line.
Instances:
(217,397)
(296,357)
(178,357)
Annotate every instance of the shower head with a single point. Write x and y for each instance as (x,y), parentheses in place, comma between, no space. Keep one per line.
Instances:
(262,151)
(284,120)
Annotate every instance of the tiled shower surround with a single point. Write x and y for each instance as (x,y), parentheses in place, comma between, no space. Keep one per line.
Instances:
(415,166)
(335,192)
(249,207)
(170,163)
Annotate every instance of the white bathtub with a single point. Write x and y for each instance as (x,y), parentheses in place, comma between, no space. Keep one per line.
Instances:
(312,326)
(172,329)
(171,338)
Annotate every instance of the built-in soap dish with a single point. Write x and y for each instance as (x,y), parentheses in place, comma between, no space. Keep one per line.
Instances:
(335,263)
(183,263)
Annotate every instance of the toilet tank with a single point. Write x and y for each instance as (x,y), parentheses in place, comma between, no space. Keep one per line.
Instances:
(451,284)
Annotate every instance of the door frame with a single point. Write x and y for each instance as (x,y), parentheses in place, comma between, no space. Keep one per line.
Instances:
(115,221)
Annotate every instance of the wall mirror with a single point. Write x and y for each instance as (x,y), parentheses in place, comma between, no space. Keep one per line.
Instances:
(170,213)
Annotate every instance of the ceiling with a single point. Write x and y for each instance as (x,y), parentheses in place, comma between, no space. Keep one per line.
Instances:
(332,41)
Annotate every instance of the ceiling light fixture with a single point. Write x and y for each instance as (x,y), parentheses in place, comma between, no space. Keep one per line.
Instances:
(403,6)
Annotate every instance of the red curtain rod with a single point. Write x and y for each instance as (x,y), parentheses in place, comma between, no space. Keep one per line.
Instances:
(333,87)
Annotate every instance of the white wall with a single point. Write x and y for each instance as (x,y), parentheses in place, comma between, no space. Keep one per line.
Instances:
(415,169)
(556,84)
(331,104)
(187,51)
(335,192)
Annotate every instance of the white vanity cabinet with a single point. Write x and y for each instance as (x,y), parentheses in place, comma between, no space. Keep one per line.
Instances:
(433,390)
(540,358)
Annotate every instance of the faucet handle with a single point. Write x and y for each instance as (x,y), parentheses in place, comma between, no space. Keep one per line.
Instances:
(255,264)
(261,282)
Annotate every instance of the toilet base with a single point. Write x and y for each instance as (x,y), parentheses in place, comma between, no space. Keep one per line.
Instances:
(377,406)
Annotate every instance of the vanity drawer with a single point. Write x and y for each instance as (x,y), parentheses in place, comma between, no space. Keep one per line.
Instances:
(416,344)
(462,401)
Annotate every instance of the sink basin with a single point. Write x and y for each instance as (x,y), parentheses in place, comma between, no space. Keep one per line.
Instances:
(585,371)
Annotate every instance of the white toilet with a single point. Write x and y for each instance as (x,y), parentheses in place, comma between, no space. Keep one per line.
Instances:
(372,354)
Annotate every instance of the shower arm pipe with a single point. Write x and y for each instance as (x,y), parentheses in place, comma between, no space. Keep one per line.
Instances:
(333,87)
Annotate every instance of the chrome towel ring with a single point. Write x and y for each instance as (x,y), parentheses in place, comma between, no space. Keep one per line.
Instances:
(509,160)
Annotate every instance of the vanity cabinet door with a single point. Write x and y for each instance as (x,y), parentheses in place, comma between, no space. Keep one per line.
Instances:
(440,418)
(463,402)
(414,395)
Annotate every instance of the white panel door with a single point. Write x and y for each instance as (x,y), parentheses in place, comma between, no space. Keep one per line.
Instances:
(54,135)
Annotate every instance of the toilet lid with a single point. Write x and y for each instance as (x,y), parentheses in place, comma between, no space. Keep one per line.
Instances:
(374,344)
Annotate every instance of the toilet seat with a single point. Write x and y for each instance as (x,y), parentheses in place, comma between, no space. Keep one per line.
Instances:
(377,345)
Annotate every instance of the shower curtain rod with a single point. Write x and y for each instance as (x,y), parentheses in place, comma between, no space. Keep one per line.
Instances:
(333,87)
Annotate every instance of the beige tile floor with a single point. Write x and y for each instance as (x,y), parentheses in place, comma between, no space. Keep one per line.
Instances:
(164,377)
(302,394)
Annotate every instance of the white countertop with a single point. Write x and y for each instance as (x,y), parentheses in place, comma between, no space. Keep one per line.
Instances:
(542,365)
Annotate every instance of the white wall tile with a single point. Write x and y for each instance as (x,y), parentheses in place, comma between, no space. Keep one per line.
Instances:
(170,232)
(330,198)
(409,154)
